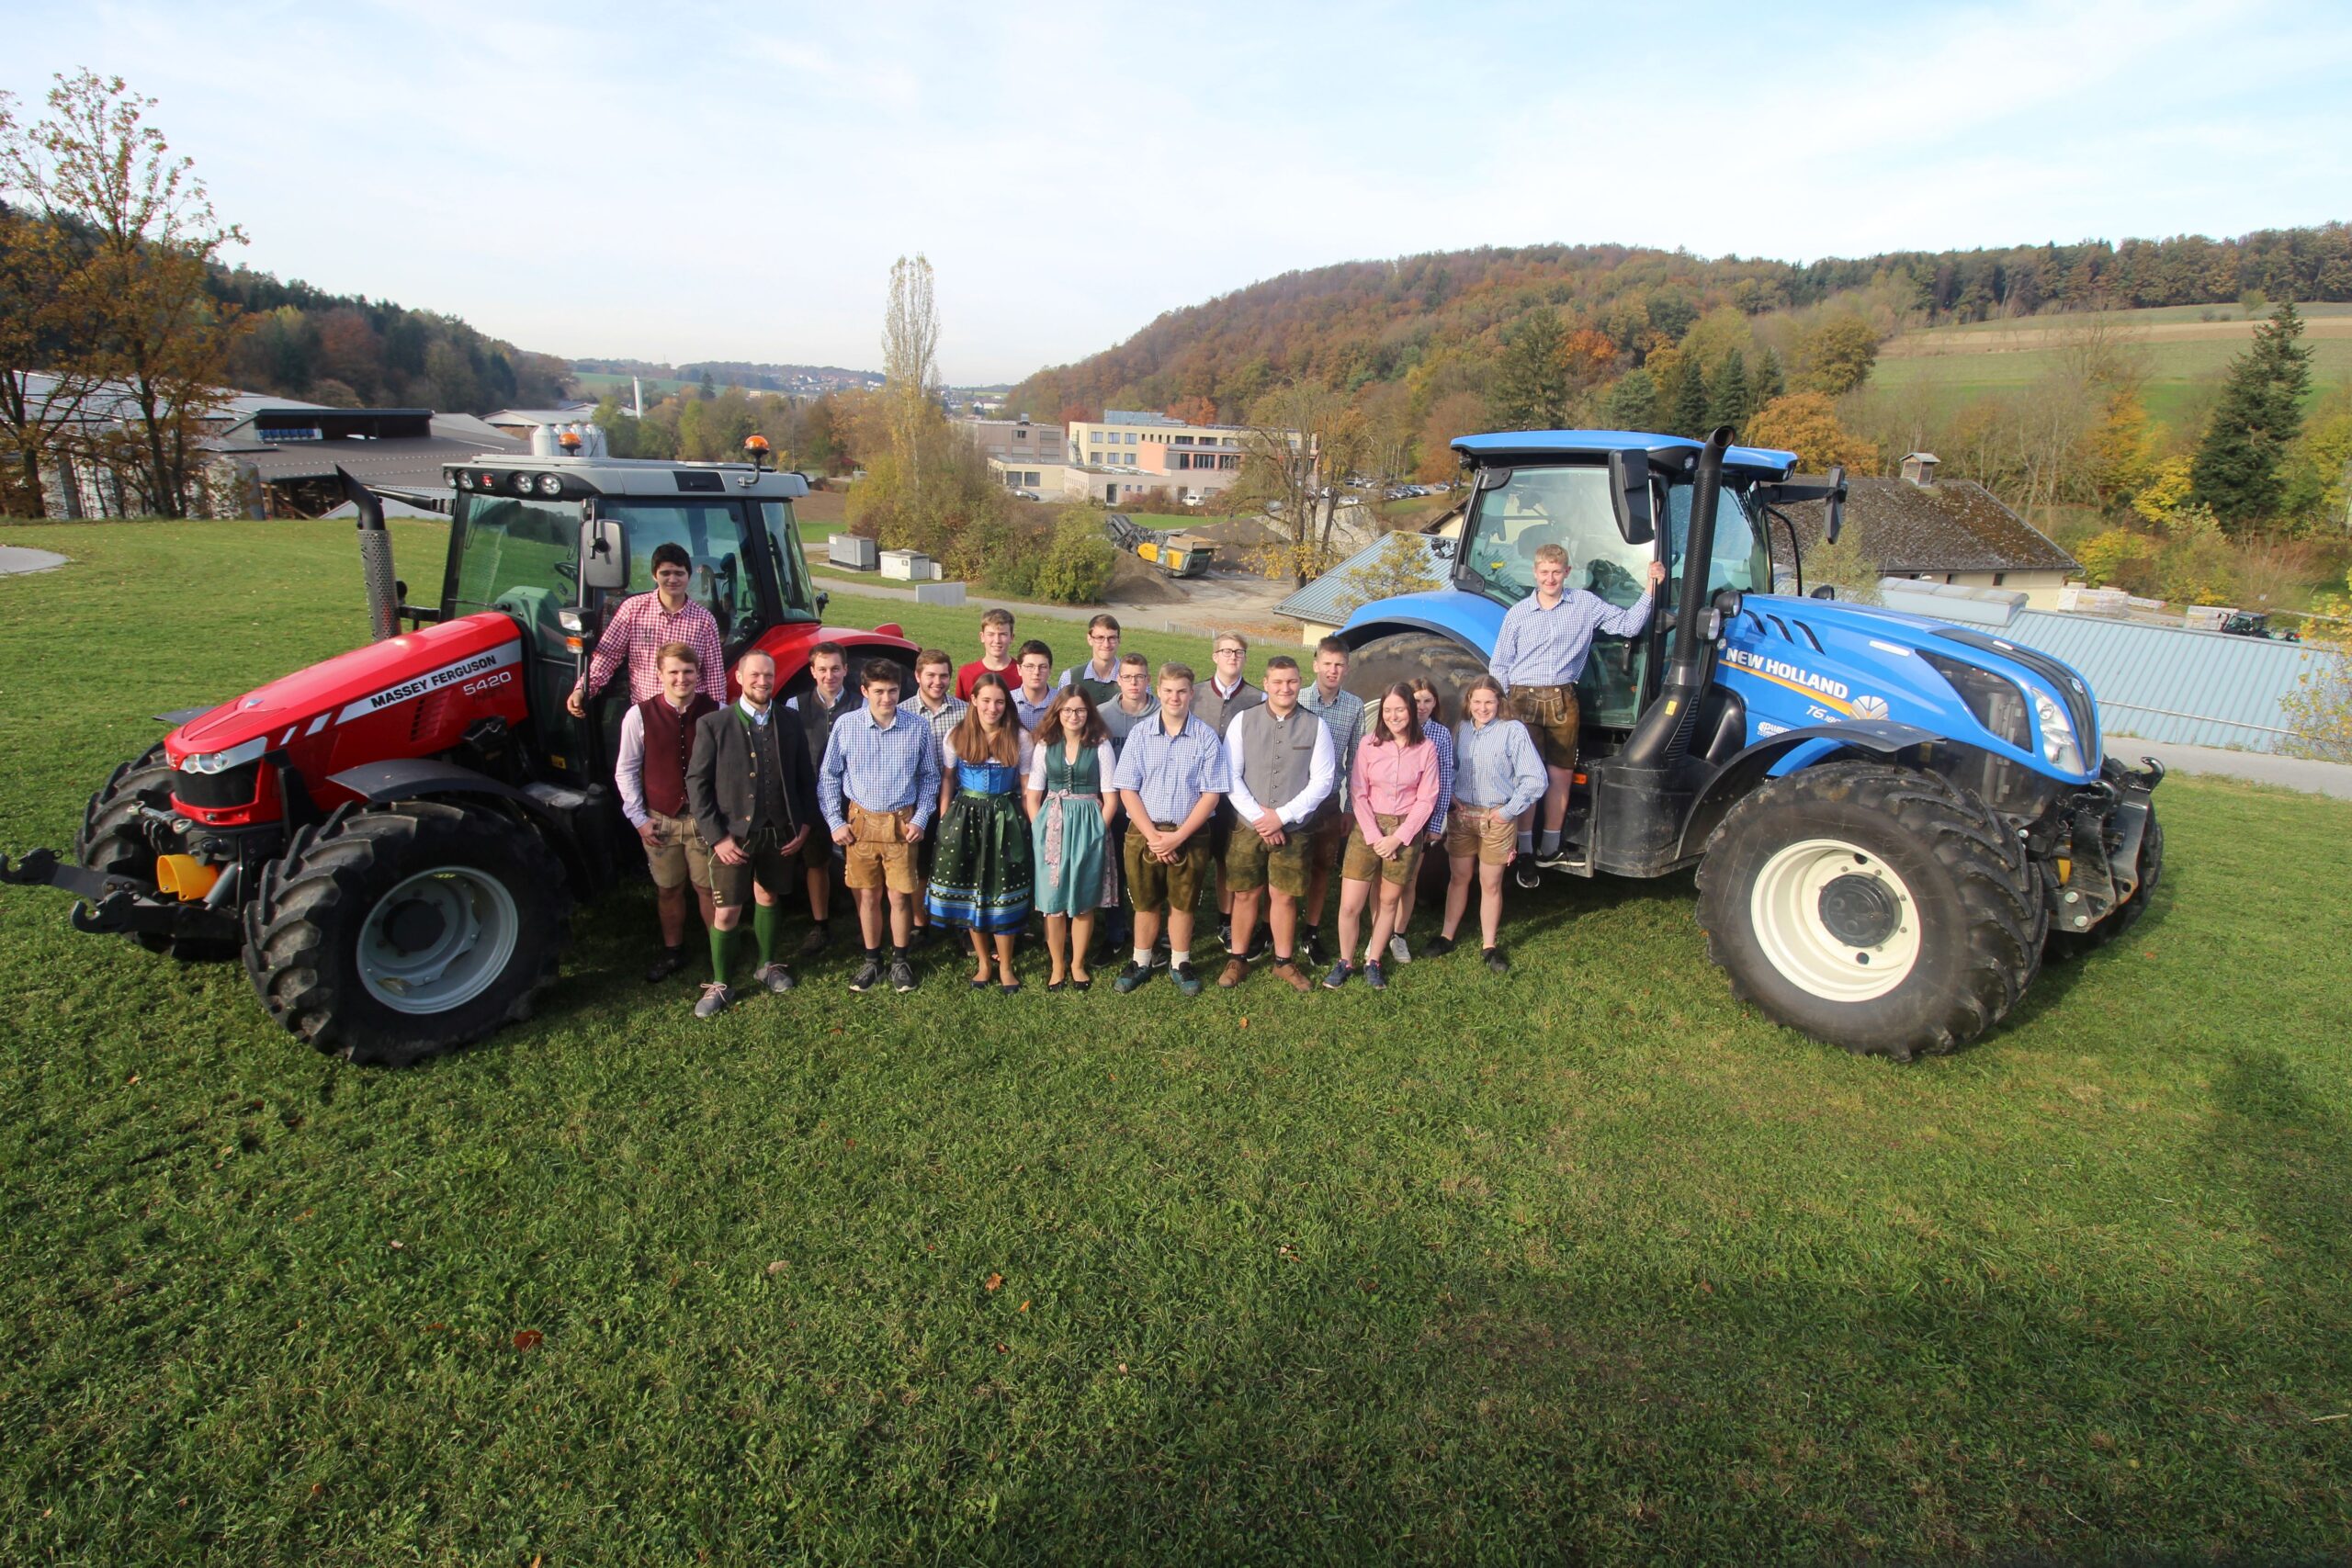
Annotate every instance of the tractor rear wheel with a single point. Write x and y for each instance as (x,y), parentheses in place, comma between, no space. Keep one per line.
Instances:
(116,838)
(2066,944)
(391,935)
(1398,657)
(1876,908)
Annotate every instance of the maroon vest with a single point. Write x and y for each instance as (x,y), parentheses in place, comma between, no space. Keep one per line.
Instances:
(669,741)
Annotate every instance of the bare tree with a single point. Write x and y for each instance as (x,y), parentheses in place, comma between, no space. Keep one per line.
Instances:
(1297,438)
(96,171)
(910,362)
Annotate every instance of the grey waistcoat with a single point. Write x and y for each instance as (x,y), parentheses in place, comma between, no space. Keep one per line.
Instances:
(1278,755)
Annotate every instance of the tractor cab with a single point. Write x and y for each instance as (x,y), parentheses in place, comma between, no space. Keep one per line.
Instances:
(557,543)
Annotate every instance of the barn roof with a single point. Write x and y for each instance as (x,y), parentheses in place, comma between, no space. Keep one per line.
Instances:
(1950,525)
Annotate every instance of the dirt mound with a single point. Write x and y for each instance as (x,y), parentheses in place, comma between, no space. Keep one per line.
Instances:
(1132,582)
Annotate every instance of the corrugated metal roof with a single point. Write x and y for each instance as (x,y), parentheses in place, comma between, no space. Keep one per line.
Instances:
(2170,684)
(1318,602)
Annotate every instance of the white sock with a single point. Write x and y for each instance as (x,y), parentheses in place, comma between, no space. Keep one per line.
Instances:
(1178,955)
(1143,958)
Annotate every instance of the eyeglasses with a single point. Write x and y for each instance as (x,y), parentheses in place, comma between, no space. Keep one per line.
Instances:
(1228,653)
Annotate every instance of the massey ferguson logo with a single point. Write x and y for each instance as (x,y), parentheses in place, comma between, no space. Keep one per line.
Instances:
(432,681)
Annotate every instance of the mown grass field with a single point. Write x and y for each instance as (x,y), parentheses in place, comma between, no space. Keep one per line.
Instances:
(1585,1262)
(2176,349)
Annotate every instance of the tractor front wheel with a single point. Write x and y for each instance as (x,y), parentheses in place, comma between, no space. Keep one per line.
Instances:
(1876,908)
(394,933)
(1388,661)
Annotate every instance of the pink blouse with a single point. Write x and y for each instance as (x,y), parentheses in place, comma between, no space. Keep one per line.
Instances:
(1390,780)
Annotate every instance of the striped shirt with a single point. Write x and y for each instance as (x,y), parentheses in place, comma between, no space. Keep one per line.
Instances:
(1546,648)
(1500,766)
(639,629)
(1170,772)
(1344,717)
(882,768)
(943,723)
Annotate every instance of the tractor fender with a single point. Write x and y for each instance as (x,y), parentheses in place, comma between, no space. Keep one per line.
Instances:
(565,817)
(1471,619)
(1787,752)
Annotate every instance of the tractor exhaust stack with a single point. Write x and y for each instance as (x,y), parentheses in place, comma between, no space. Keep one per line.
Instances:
(375,559)
(1663,734)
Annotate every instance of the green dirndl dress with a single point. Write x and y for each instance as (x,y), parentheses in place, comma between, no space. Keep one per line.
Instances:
(1076,874)
(982,875)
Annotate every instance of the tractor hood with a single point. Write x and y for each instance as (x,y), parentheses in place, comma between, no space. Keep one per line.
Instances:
(1804,661)
(351,685)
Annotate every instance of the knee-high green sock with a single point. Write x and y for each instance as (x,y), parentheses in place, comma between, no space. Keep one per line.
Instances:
(720,941)
(764,920)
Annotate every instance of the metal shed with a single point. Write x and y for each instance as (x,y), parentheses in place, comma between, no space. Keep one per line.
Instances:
(2170,684)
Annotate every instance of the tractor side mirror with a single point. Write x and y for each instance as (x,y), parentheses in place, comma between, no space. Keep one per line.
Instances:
(603,556)
(1834,520)
(823,598)
(1629,495)
(1825,591)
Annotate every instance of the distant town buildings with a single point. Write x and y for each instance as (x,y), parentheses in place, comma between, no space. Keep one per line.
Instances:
(1117,459)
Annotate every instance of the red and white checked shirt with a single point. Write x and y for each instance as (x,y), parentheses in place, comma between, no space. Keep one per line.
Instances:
(639,629)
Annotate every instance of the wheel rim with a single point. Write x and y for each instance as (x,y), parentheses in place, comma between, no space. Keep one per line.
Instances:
(1836,920)
(437,941)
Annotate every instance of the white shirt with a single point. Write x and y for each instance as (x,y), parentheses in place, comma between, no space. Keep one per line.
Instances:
(629,766)
(1322,772)
(1106,762)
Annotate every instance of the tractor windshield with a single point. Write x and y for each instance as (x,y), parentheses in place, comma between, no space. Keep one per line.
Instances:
(1739,560)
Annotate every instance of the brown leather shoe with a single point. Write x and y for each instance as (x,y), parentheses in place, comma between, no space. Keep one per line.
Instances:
(1236,971)
(1292,976)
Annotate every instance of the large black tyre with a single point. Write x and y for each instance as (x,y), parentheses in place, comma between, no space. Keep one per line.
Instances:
(1398,657)
(390,934)
(2066,944)
(1815,877)
(115,838)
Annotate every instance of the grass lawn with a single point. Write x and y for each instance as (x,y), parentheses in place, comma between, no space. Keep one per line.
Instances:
(1584,1261)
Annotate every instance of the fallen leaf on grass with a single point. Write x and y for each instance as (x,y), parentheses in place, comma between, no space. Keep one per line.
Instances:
(434,1327)
(1245,1021)
(1024,1306)
(1002,1351)
(528,1339)
(400,1247)
(777,1266)
(994,1282)
(134,1079)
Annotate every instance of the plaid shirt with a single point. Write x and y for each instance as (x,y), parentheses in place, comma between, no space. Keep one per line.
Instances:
(1443,739)
(951,712)
(1537,646)
(880,768)
(1344,717)
(1170,772)
(638,631)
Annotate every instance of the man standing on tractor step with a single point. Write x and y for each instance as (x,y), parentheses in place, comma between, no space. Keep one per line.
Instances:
(816,712)
(879,787)
(657,743)
(754,801)
(1539,653)
(646,623)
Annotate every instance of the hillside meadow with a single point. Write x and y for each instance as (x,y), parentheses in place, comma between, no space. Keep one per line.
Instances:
(1585,1261)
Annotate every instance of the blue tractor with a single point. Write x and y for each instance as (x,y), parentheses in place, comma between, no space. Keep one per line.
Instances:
(1892,819)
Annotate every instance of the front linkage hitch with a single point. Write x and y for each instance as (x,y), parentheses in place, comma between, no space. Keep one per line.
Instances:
(2096,832)
(114,904)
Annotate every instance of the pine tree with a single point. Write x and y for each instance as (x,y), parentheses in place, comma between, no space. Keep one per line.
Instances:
(1727,392)
(1689,415)
(1769,381)
(1532,382)
(1632,403)
(2237,468)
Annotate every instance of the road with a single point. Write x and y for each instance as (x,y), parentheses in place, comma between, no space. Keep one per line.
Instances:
(2291,772)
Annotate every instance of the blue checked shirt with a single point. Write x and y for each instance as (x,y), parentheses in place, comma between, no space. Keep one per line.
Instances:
(1547,648)
(882,770)
(1443,739)
(1344,717)
(1028,713)
(1172,772)
(1498,766)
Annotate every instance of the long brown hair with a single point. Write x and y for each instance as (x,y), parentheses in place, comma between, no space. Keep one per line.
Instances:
(1437,704)
(974,741)
(1404,693)
(1050,731)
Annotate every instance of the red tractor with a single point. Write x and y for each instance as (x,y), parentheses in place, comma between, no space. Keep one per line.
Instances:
(393,839)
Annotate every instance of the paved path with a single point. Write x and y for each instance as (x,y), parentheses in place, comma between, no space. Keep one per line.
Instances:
(2293,772)
(18,557)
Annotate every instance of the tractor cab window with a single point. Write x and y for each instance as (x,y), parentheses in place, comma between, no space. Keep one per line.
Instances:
(721,576)
(792,568)
(1569,507)
(1738,560)
(516,555)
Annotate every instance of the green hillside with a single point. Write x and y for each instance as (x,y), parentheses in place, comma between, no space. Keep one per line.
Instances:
(2177,346)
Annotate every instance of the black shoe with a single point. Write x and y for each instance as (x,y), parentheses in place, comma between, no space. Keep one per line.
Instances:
(1497,962)
(673,959)
(1130,977)
(1186,981)
(816,941)
(1437,947)
(924,936)
(868,975)
(1160,956)
(902,975)
(1524,872)
(1261,947)
(1311,947)
(1225,935)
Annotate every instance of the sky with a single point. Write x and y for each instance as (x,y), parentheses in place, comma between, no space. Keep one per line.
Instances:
(677,182)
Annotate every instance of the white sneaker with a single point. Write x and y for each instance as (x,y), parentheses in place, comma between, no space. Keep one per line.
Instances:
(1398,951)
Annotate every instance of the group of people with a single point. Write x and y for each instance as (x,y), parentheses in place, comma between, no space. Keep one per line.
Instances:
(1110,799)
